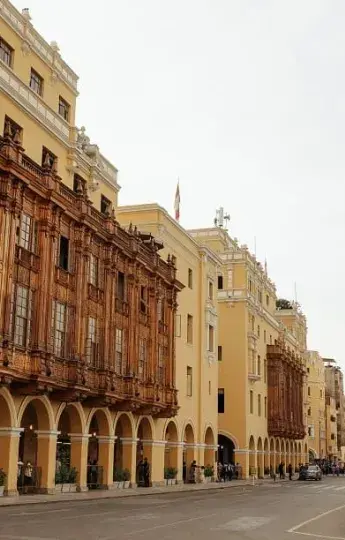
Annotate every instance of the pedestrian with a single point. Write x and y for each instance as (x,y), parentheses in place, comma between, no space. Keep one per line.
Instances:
(192,472)
(290,471)
(28,476)
(146,470)
(272,474)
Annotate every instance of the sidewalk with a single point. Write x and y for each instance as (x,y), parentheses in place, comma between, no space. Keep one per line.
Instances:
(120,493)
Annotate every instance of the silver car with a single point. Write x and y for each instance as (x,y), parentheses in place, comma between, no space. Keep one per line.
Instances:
(313,472)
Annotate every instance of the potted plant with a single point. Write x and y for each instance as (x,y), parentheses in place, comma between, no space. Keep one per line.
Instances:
(119,478)
(66,479)
(126,478)
(3,477)
(208,473)
(170,474)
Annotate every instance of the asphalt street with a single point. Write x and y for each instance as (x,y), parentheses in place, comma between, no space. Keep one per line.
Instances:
(280,511)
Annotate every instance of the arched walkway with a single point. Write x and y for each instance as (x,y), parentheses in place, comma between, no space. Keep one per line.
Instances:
(266,458)
(312,455)
(188,451)
(278,454)
(144,452)
(260,459)
(70,463)
(209,455)
(37,446)
(100,458)
(123,454)
(171,451)
(9,441)
(226,449)
(272,456)
(300,460)
(252,457)
(306,454)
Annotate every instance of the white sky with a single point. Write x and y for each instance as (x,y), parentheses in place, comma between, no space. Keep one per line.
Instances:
(244,101)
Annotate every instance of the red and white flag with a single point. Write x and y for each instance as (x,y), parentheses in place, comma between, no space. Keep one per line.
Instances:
(177,202)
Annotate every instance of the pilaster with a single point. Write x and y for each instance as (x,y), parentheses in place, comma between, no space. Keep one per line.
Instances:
(9,445)
(46,459)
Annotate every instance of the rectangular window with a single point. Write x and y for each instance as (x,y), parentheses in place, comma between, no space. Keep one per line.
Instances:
(210,290)
(160,310)
(119,351)
(259,330)
(260,296)
(210,338)
(48,158)
(22,315)
(59,312)
(6,52)
(221,401)
(92,344)
(36,82)
(251,402)
(78,184)
(220,353)
(64,253)
(143,299)
(120,289)
(267,300)
(64,109)
(190,278)
(189,329)
(24,232)
(161,364)
(270,339)
(265,407)
(220,282)
(309,391)
(265,370)
(209,388)
(16,131)
(93,270)
(259,405)
(259,365)
(105,206)
(320,393)
(142,358)
(189,381)
(264,336)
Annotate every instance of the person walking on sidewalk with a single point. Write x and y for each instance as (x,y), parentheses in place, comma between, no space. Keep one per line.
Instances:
(290,471)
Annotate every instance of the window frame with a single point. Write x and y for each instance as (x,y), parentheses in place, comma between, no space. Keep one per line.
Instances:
(189,381)
(60,351)
(64,265)
(189,329)
(94,270)
(221,400)
(25,326)
(190,278)
(67,108)
(36,82)
(9,53)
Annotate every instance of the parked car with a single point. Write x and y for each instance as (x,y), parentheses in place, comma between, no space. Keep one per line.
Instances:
(312,472)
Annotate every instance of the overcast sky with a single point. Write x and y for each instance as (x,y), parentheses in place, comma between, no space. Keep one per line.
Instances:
(244,101)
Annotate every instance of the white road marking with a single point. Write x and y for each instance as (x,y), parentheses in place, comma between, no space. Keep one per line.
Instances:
(244,524)
(339,488)
(320,536)
(304,523)
(39,513)
(163,526)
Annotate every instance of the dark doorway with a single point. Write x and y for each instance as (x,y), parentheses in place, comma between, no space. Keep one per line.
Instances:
(226,450)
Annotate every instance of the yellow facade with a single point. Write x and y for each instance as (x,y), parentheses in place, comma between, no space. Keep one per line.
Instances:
(331,427)
(36,109)
(248,322)
(316,411)
(196,348)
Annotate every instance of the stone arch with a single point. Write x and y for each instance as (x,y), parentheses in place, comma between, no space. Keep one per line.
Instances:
(266,457)
(124,423)
(252,456)
(312,455)
(76,417)
(260,458)
(172,445)
(8,416)
(188,439)
(288,454)
(272,455)
(230,436)
(146,426)
(43,409)
(283,451)
(188,433)
(102,418)
(124,429)
(209,452)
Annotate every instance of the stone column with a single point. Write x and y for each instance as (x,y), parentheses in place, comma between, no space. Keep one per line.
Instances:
(129,458)
(106,459)
(46,459)
(242,457)
(79,450)
(154,452)
(9,445)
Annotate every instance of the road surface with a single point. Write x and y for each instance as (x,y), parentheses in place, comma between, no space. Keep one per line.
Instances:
(282,511)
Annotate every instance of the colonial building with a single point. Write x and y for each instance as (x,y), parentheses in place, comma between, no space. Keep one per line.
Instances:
(335,390)
(261,365)
(316,412)
(87,309)
(196,425)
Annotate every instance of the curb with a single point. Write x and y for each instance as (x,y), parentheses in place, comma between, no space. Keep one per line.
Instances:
(107,495)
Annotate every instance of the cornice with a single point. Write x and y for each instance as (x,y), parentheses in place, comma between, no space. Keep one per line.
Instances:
(22,26)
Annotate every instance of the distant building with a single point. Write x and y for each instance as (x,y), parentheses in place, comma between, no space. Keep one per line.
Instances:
(335,389)
(316,407)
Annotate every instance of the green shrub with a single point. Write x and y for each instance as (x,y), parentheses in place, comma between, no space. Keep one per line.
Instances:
(170,473)
(208,471)
(3,477)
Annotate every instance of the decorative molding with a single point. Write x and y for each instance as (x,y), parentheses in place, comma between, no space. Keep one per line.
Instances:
(32,103)
(14,432)
(22,26)
(79,437)
(106,439)
(47,434)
